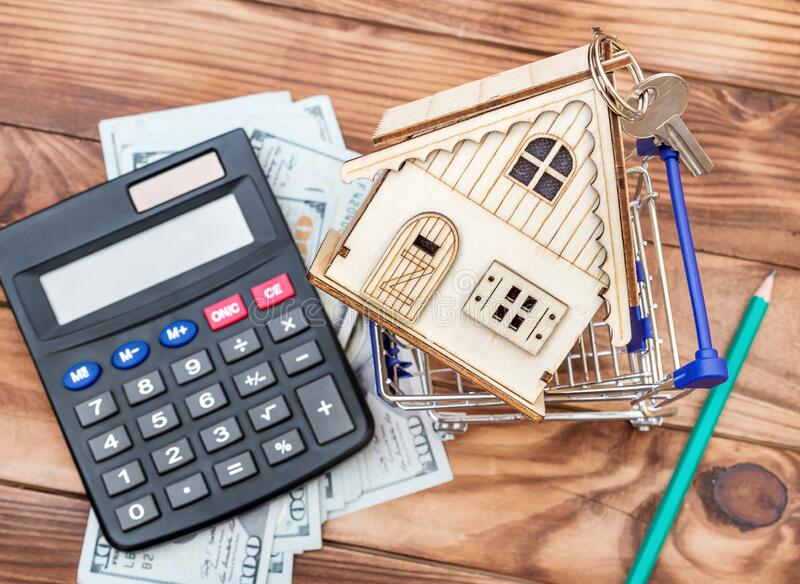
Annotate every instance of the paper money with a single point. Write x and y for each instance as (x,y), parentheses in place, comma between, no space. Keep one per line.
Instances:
(280,568)
(298,527)
(236,551)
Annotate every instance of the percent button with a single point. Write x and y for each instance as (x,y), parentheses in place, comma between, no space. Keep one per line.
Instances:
(283,447)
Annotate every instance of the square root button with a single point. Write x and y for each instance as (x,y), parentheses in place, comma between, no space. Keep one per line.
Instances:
(325,410)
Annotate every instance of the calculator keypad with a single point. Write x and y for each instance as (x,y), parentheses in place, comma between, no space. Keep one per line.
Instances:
(323,406)
(206,401)
(172,456)
(235,469)
(158,422)
(254,379)
(144,388)
(303,357)
(239,346)
(220,435)
(96,409)
(109,443)
(124,478)
(193,367)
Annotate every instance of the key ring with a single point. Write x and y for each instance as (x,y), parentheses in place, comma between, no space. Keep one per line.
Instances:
(615,101)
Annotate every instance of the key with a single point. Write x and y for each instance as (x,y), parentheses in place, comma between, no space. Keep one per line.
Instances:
(668,97)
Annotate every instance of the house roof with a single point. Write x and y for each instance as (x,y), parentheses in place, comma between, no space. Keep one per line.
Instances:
(471,99)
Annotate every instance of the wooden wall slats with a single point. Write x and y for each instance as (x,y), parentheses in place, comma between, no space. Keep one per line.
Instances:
(65,74)
(50,527)
(735,42)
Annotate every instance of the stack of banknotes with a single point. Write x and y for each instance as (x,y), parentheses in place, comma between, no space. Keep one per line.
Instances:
(301,149)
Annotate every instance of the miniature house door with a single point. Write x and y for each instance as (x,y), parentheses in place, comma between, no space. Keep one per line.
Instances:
(413,265)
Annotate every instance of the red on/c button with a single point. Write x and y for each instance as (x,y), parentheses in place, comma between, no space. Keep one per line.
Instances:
(225,312)
(273,291)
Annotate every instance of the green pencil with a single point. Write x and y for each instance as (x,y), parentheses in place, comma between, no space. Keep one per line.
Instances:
(692,454)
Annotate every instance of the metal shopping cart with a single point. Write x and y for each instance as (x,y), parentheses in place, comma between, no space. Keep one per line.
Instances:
(597,381)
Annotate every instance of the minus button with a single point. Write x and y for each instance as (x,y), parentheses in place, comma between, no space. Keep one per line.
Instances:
(303,357)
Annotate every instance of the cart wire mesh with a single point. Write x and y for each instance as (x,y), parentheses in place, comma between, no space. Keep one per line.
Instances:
(597,381)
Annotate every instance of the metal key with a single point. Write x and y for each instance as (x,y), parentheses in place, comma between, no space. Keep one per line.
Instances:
(668,96)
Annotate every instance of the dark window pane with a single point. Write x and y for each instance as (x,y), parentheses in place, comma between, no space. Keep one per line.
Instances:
(500,313)
(548,186)
(562,161)
(516,322)
(540,147)
(524,171)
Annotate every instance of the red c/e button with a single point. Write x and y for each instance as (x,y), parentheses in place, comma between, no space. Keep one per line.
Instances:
(225,312)
(273,291)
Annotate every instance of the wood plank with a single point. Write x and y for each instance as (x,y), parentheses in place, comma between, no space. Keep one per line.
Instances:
(528,500)
(734,42)
(50,527)
(67,74)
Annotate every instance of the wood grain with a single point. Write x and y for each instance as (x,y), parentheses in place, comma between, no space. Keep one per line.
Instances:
(736,42)
(50,528)
(65,74)
(557,501)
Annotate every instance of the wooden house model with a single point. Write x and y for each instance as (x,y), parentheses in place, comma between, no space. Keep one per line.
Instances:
(496,228)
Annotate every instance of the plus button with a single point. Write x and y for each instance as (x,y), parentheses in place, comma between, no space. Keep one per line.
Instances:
(325,408)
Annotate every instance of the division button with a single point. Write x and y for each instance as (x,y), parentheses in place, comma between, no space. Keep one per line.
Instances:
(81,375)
(123,478)
(172,456)
(287,325)
(221,434)
(325,410)
(109,443)
(272,292)
(130,354)
(187,491)
(96,409)
(144,388)
(303,357)
(269,413)
(178,333)
(225,312)
(192,367)
(254,379)
(235,469)
(283,447)
(239,346)
(158,422)
(137,513)
(206,400)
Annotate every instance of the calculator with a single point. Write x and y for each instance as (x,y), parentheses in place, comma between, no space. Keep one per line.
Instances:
(190,364)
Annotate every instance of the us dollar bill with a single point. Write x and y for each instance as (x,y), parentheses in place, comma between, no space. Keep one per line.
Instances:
(298,526)
(236,551)
(280,568)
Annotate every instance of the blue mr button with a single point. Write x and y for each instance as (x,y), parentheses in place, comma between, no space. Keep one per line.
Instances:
(81,375)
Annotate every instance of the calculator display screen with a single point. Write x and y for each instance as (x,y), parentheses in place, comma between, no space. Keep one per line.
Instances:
(146,259)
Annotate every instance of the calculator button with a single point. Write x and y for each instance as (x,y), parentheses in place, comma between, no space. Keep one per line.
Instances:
(109,443)
(235,469)
(81,375)
(138,513)
(283,447)
(172,456)
(272,292)
(325,410)
(225,312)
(178,333)
(187,491)
(144,388)
(192,367)
(130,354)
(287,325)
(240,346)
(269,413)
(158,422)
(123,478)
(220,435)
(206,401)
(254,379)
(96,409)
(303,357)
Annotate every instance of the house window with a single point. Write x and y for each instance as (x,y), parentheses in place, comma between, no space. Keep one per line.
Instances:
(543,166)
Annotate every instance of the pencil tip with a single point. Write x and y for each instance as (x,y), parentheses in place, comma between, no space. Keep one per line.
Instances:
(765,289)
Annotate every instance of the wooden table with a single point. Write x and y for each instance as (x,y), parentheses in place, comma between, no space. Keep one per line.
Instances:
(544,503)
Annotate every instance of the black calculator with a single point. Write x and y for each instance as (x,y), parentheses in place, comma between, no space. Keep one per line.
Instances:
(190,364)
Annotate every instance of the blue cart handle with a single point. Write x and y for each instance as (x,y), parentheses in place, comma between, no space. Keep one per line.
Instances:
(708,369)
